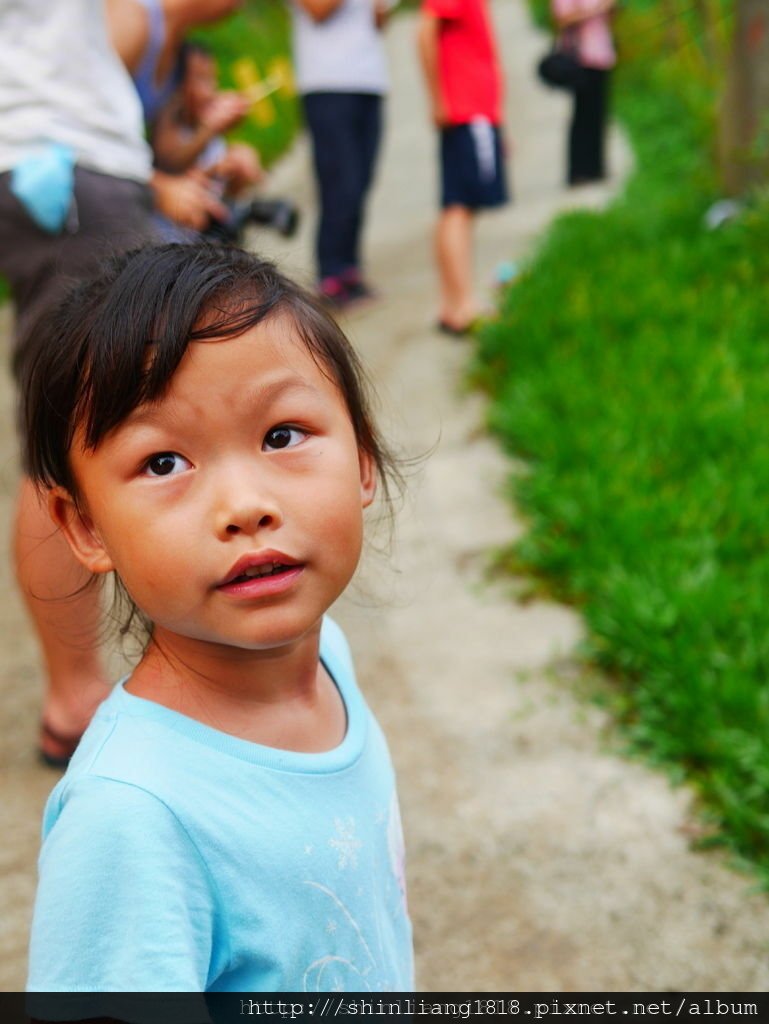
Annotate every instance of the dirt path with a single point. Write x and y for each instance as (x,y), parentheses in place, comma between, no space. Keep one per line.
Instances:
(539,859)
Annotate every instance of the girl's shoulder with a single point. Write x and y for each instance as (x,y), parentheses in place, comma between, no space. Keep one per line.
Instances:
(117,862)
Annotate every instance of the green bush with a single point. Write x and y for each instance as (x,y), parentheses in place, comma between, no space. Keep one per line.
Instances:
(630,365)
(259,34)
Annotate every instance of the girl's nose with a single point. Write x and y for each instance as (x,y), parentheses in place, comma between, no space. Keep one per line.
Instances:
(246,521)
(246,506)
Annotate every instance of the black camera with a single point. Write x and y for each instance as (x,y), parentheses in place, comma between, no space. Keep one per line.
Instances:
(280,215)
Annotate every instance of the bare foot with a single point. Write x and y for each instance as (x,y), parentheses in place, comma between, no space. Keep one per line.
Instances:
(457,320)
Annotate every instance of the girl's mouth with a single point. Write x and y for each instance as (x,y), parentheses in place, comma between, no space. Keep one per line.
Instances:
(259,571)
(254,576)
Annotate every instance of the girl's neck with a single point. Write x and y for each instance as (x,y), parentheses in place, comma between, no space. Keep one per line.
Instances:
(280,697)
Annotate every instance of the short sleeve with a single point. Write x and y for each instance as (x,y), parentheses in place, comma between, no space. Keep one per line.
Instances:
(446,10)
(124,901)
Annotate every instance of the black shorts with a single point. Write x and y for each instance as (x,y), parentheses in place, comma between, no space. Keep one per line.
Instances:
(472,165)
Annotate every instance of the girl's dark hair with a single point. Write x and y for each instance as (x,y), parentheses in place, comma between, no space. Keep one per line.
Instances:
(188,49)
(116,342)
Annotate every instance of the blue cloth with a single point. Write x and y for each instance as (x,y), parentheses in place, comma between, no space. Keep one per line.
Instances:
(180,858)
(45,184)
(153,94)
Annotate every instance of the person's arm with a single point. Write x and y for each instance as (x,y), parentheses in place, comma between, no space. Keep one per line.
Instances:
(240,167)
(428,28)
(186,199)
(382,11)
(319,10)
(128,25)
(177,149)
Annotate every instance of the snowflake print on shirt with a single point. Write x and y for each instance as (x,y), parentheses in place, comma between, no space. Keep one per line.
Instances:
(346,843)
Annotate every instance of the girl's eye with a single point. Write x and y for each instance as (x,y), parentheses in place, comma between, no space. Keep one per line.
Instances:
(283,437)
(166,464)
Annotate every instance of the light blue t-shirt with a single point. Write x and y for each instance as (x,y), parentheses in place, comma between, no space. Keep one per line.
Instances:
(179,858)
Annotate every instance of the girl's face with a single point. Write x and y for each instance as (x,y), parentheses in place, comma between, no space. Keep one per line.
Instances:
(232,508)
(199,85)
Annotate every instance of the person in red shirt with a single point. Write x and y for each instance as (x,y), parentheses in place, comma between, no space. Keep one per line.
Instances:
(464,83)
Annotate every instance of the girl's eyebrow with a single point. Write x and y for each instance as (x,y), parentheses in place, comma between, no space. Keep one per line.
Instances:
(276,389)
(262,394)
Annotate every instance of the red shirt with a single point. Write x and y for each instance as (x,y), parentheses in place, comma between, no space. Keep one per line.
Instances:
(470,77)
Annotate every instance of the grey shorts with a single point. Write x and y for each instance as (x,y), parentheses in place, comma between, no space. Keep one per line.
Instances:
(113,214)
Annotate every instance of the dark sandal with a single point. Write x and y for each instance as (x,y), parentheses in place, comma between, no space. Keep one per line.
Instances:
(67,743)
(454,332)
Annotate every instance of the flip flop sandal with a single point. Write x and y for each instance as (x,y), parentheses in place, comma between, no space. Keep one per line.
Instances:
(454,332)
(67,743)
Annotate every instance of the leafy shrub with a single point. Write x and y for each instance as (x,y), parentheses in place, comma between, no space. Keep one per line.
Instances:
(630,364)
(250,45)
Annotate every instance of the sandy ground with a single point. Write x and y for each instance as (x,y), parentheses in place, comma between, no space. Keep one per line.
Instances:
(539,859)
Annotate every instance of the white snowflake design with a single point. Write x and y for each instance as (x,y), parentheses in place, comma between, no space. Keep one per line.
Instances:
(346,843)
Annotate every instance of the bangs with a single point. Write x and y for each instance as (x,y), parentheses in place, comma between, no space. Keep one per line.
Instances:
(145,325)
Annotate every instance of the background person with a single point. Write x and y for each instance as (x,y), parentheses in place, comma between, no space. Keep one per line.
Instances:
(584,27)
(342,77)
(188,130)
(149,34)
(186,136)
(464,83)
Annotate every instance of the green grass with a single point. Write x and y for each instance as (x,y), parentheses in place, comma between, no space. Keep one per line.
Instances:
(630,366)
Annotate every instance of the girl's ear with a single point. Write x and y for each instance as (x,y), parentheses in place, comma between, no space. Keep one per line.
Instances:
(80,531)
(368,477)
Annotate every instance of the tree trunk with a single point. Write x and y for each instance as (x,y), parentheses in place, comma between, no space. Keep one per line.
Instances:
(744,114)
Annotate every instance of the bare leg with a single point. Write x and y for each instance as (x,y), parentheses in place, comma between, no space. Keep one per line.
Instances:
(454,254)
(67,627)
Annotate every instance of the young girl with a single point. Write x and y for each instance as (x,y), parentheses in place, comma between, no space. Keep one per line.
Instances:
(229,821)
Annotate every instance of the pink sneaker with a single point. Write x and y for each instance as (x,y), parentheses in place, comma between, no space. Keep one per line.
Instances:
(333,291)
(359,292)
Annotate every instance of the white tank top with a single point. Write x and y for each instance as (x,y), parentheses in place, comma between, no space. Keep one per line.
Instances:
(343,53)
(61,81)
